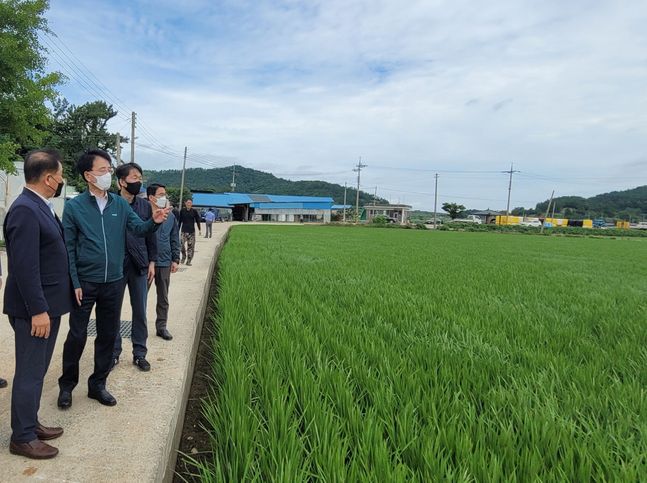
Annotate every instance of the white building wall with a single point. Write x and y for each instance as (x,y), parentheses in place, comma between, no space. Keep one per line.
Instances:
(290,215)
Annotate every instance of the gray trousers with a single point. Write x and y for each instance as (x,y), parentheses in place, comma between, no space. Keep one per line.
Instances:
(162,282)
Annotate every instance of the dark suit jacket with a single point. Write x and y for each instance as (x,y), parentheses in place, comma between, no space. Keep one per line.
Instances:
(38,278)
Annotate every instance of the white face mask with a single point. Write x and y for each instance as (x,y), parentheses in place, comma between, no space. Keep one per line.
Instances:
(103,182)
(161,202)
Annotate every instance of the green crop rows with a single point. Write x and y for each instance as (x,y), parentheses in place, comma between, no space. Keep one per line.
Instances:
(396,355)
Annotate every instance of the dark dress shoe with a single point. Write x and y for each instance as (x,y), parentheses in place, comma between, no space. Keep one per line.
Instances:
(3,383)
(45,433)
(64,400)
(35,449)
(164,334)
(142,363)
(103,396)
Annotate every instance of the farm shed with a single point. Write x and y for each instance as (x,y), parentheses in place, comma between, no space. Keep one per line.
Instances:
(399,213)
(260,207)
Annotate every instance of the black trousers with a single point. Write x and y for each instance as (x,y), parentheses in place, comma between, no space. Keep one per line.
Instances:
(33,355)
(108,298)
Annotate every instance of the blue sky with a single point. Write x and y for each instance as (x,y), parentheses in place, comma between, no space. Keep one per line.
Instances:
(302,89)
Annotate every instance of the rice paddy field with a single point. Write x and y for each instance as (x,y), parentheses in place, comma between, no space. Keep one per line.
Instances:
(345,354)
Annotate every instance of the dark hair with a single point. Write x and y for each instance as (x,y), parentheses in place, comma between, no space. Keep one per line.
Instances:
(123,170)
(41,161)
(151,189)
(86,161)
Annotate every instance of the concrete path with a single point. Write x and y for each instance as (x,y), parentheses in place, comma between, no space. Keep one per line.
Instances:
(132,441)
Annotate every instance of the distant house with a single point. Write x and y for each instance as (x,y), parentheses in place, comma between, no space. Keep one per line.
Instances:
(396,213)
(260,207)
(487,216)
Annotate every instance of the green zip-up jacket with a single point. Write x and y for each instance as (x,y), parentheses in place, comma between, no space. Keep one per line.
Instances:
(96,241)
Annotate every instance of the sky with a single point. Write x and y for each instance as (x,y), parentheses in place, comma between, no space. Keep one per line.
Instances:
(303,89)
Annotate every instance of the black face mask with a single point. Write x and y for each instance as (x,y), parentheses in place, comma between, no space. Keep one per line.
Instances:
(58,190)
(134,188)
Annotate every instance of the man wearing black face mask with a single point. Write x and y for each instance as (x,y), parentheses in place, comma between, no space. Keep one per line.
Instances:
(38,292)
(139,264)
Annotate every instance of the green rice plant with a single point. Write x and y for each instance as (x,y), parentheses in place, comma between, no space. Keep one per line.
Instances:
(405,355)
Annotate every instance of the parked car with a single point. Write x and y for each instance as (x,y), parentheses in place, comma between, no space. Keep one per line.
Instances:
(468,219)
(535,223)
(599,223)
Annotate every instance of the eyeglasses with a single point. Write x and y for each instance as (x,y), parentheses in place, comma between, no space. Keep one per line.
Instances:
(103,170)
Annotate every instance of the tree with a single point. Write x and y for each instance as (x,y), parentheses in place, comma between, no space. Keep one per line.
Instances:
(78,128)
(25,87)
(173,194)
(453,209)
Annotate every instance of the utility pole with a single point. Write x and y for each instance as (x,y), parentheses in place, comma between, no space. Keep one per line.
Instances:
(358,170)
(233,180)
(511,172)
(182,183)
(375,197)
(435,199)
(547,211)
(118,149)
(133,121)
(344,215)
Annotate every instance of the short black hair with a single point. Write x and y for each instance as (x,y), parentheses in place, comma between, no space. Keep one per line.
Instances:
(86,160)
(123,170)
(41,161)
(151,189)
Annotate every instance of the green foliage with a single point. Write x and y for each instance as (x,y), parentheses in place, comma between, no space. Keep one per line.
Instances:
(174,194)
(78,128)
(453,209)
(252,181)
(24,85)
(380,220)
(342,367)
(624,205)
(559,231)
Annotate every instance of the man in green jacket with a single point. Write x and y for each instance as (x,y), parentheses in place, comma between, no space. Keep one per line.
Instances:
(95,224)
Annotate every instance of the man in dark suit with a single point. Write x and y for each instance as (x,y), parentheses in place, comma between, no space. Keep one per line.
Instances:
(38,292)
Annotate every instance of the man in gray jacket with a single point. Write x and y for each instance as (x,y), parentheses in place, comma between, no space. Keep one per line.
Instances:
(168,257)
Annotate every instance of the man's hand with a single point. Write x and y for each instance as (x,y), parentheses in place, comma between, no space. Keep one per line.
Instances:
(174,267)
(151,272)
(160,215)
(40,325)
(78,294)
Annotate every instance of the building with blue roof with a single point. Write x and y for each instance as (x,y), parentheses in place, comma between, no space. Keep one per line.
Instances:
(260,207)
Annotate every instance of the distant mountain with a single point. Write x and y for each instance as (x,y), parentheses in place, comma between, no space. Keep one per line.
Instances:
(248,180)
(628,204)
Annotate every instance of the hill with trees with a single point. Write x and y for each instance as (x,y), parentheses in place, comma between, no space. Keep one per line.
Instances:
(217,180)
(629,204)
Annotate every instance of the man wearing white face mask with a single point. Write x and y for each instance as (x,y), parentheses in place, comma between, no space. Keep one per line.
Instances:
(168,257)
(95,224)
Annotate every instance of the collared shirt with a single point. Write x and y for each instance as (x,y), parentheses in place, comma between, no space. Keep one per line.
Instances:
(46,200)
(101,202)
